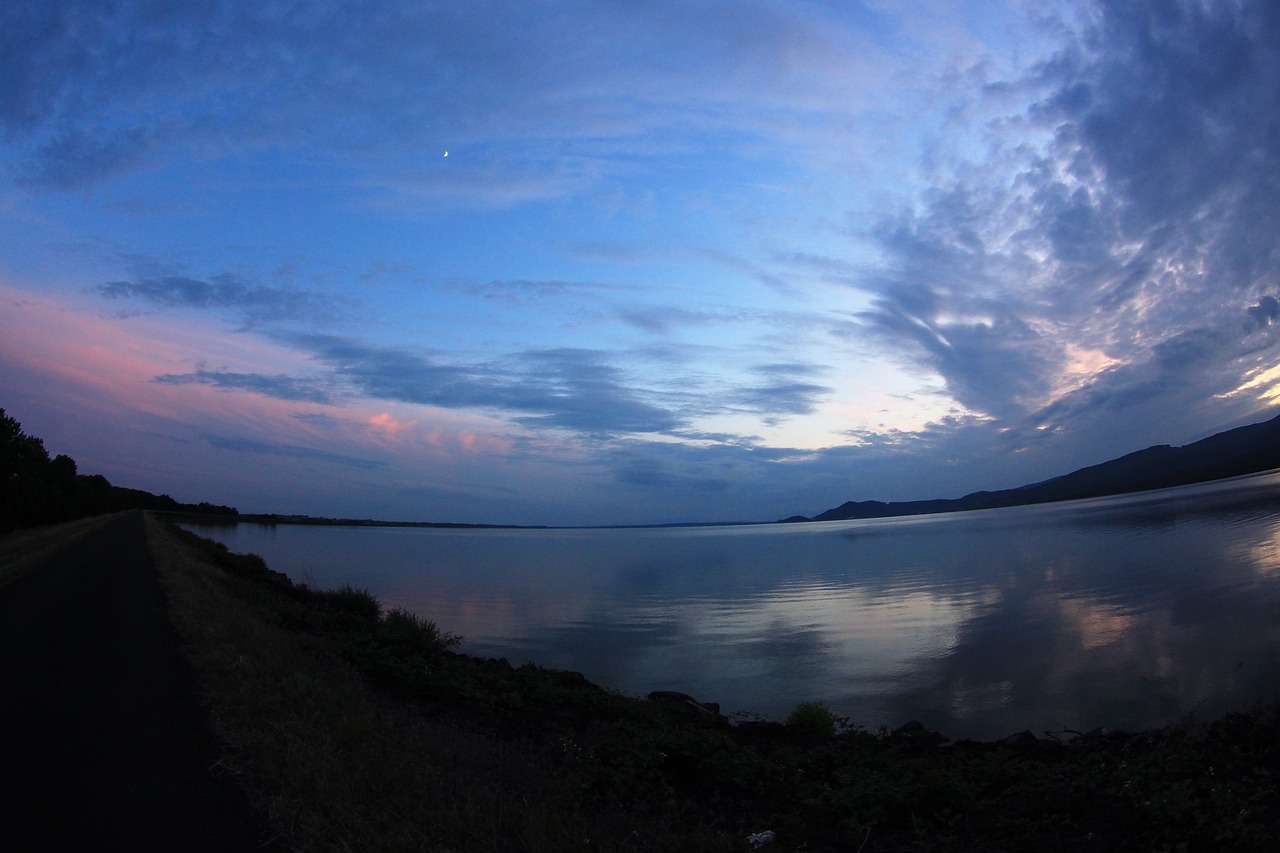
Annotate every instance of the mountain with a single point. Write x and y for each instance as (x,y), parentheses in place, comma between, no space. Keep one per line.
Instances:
(1244,450)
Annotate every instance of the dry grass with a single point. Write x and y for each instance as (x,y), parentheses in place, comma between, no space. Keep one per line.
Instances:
(334,764)
(23,550)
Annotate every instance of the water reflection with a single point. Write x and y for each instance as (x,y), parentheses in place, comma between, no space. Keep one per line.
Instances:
(1121,611)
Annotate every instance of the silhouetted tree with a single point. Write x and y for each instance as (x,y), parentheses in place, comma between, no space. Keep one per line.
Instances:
(35,489)
(26,492)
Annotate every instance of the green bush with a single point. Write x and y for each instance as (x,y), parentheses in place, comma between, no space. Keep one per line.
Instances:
(812,719)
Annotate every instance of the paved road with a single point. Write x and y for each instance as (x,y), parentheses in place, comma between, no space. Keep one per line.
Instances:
(102,743)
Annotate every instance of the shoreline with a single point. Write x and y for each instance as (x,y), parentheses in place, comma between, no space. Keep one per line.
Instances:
(532,758)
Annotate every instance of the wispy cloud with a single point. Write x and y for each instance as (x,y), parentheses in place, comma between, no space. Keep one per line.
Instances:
(571,389)
(783,391)
(253,303)
(526,291)
(663,319)
(410,75)
(278,387)
(239,444)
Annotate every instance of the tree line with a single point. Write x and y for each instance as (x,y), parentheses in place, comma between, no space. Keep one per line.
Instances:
(36,489)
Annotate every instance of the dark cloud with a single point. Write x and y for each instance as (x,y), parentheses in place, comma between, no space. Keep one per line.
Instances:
(1263,314)
(1171,107)
(71,69)
(1175,102)
(784,391)
(279,387)
(578,389)
(664,319)
(938,307)
(80,156)
(1140,231)
(572,389)
(655,473)
(609,251)
(29,41)
(525,291)
(253,303)
(260,448)
(315,418)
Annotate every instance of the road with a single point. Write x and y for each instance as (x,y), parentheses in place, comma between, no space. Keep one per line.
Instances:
(103,745)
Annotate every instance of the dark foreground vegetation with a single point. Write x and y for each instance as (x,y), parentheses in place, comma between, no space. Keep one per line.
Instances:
(37,490)
(359,729)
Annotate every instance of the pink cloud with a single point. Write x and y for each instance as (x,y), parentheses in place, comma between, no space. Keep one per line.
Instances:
(86,383)
(388,423)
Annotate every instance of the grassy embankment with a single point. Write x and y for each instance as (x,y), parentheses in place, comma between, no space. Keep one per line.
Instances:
(359,730)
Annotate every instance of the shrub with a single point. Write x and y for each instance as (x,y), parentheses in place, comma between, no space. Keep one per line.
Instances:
(812,719)
(405,627)
(359,602)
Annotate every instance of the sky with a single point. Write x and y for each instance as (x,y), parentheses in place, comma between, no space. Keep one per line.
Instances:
(632,262)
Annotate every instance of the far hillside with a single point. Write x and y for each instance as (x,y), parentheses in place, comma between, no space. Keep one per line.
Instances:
(1245,450)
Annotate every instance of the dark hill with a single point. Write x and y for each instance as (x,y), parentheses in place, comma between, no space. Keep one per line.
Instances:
(1244,450)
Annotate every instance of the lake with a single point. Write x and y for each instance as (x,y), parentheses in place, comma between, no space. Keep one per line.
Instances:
(1126,612)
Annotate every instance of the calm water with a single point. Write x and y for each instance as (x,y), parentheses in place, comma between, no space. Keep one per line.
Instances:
(1124,612)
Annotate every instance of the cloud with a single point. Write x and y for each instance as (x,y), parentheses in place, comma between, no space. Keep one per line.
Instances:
(529,291)
(253,303)
(608,251)
(579,389)
(244,77)
(80,156)
(664,319)
(1174,102)
(278,387)
(650,472)
(1263,314)
(942,308)
(573,389)
(261,448)
(1138,229)
(576,389)
(784,392)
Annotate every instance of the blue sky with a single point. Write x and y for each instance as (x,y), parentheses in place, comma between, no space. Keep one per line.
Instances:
(688,261)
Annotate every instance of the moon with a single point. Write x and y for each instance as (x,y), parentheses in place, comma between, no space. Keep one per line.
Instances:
(446,153)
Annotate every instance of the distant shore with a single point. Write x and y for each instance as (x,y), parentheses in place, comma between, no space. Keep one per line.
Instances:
(1243,451)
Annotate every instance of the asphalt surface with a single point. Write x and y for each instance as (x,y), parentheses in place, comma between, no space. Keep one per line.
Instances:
(103,745)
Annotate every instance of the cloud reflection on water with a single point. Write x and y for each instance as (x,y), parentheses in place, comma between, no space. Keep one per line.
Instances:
(1120,612)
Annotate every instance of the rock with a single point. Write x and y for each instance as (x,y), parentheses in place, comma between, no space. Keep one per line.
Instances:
(1020,739)
(915,734)
(686,703)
